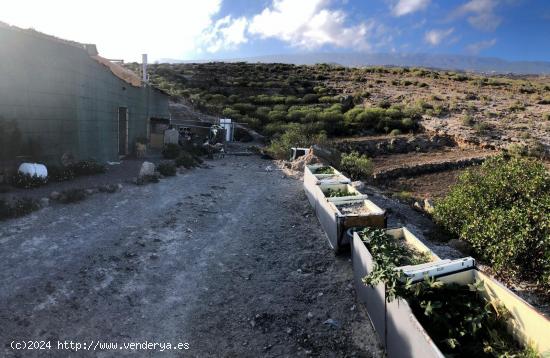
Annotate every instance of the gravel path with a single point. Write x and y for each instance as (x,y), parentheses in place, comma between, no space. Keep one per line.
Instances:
(229,259)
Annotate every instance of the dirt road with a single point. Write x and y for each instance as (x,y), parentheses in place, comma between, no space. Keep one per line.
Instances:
(229,259)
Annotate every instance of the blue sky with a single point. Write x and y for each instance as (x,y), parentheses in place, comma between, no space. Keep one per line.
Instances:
(217,29)
(509,29)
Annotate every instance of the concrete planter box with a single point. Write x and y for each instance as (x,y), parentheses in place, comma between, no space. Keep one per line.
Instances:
(332,219)
(335,223)
(341,199)
(311,180)
(403,335)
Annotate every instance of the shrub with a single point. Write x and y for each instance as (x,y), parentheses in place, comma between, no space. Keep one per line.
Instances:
(356,165)
(87,167)
(57,173)
(481,127)
(171,151)
(395,132)
(185,160)
(72,196)
(503,210)
(18,208)
(295,135)
(168,169)
(467,120)
(27,181)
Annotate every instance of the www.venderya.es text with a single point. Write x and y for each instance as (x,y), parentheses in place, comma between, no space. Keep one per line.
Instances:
(93,345)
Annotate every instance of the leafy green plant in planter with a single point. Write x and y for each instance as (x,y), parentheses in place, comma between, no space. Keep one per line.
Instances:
(324,170)
(167,169)
(388,254)
(336,193)
(462,322)
(459,319)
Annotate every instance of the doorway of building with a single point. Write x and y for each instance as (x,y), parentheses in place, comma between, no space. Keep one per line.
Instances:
(122,131)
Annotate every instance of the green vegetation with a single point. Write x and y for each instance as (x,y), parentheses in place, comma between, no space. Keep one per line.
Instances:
(502,209)
(356,165)
(337,193)
(168,169)
(294,135)
(72,196)
(276,99)
(27,181)
(186,160)
(81,168)
(462,322)
(17,208)
(87,167)
(388,254)
(171,151)
(458,318)
(324,170)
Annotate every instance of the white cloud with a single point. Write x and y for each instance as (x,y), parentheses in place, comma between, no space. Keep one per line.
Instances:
(309,24)
(226,34)
(481,14)
(404,7)
(123,28)
(477,47)
(434,37)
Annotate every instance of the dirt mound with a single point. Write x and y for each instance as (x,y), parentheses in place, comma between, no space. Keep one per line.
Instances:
(299,164)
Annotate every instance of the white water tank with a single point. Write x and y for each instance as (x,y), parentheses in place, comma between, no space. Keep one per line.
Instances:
(226,124)
(34,169)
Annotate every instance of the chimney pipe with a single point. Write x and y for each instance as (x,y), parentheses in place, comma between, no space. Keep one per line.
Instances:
(144,68)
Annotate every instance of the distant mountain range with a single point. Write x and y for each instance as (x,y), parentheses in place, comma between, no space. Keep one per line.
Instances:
(448,62)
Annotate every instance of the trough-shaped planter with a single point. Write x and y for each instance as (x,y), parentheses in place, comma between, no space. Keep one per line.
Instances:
(354,194)
(335,223)
(401,332)
(312,180)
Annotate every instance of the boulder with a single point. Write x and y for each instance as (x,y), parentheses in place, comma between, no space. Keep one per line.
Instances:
(44,202)
(55,195)
(147,169)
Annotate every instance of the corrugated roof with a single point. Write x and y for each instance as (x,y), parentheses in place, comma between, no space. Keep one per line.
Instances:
(120,71)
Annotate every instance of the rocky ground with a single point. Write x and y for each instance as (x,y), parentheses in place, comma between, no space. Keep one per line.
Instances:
(229,259)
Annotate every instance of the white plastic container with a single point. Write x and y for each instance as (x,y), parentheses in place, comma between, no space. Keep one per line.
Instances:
(34,169)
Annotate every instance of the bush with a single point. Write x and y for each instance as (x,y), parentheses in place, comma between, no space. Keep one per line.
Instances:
(18,208)
(72,196)
(295,135)
(27,181)
(395,132)
(467,120)
(185,160)
(503,210)
(356,165)
(168,169)
(87,167)
(171,151)
(481,127)
(57,173)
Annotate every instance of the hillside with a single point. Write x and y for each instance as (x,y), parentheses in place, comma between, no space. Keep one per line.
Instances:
(439,61)
(493,112)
